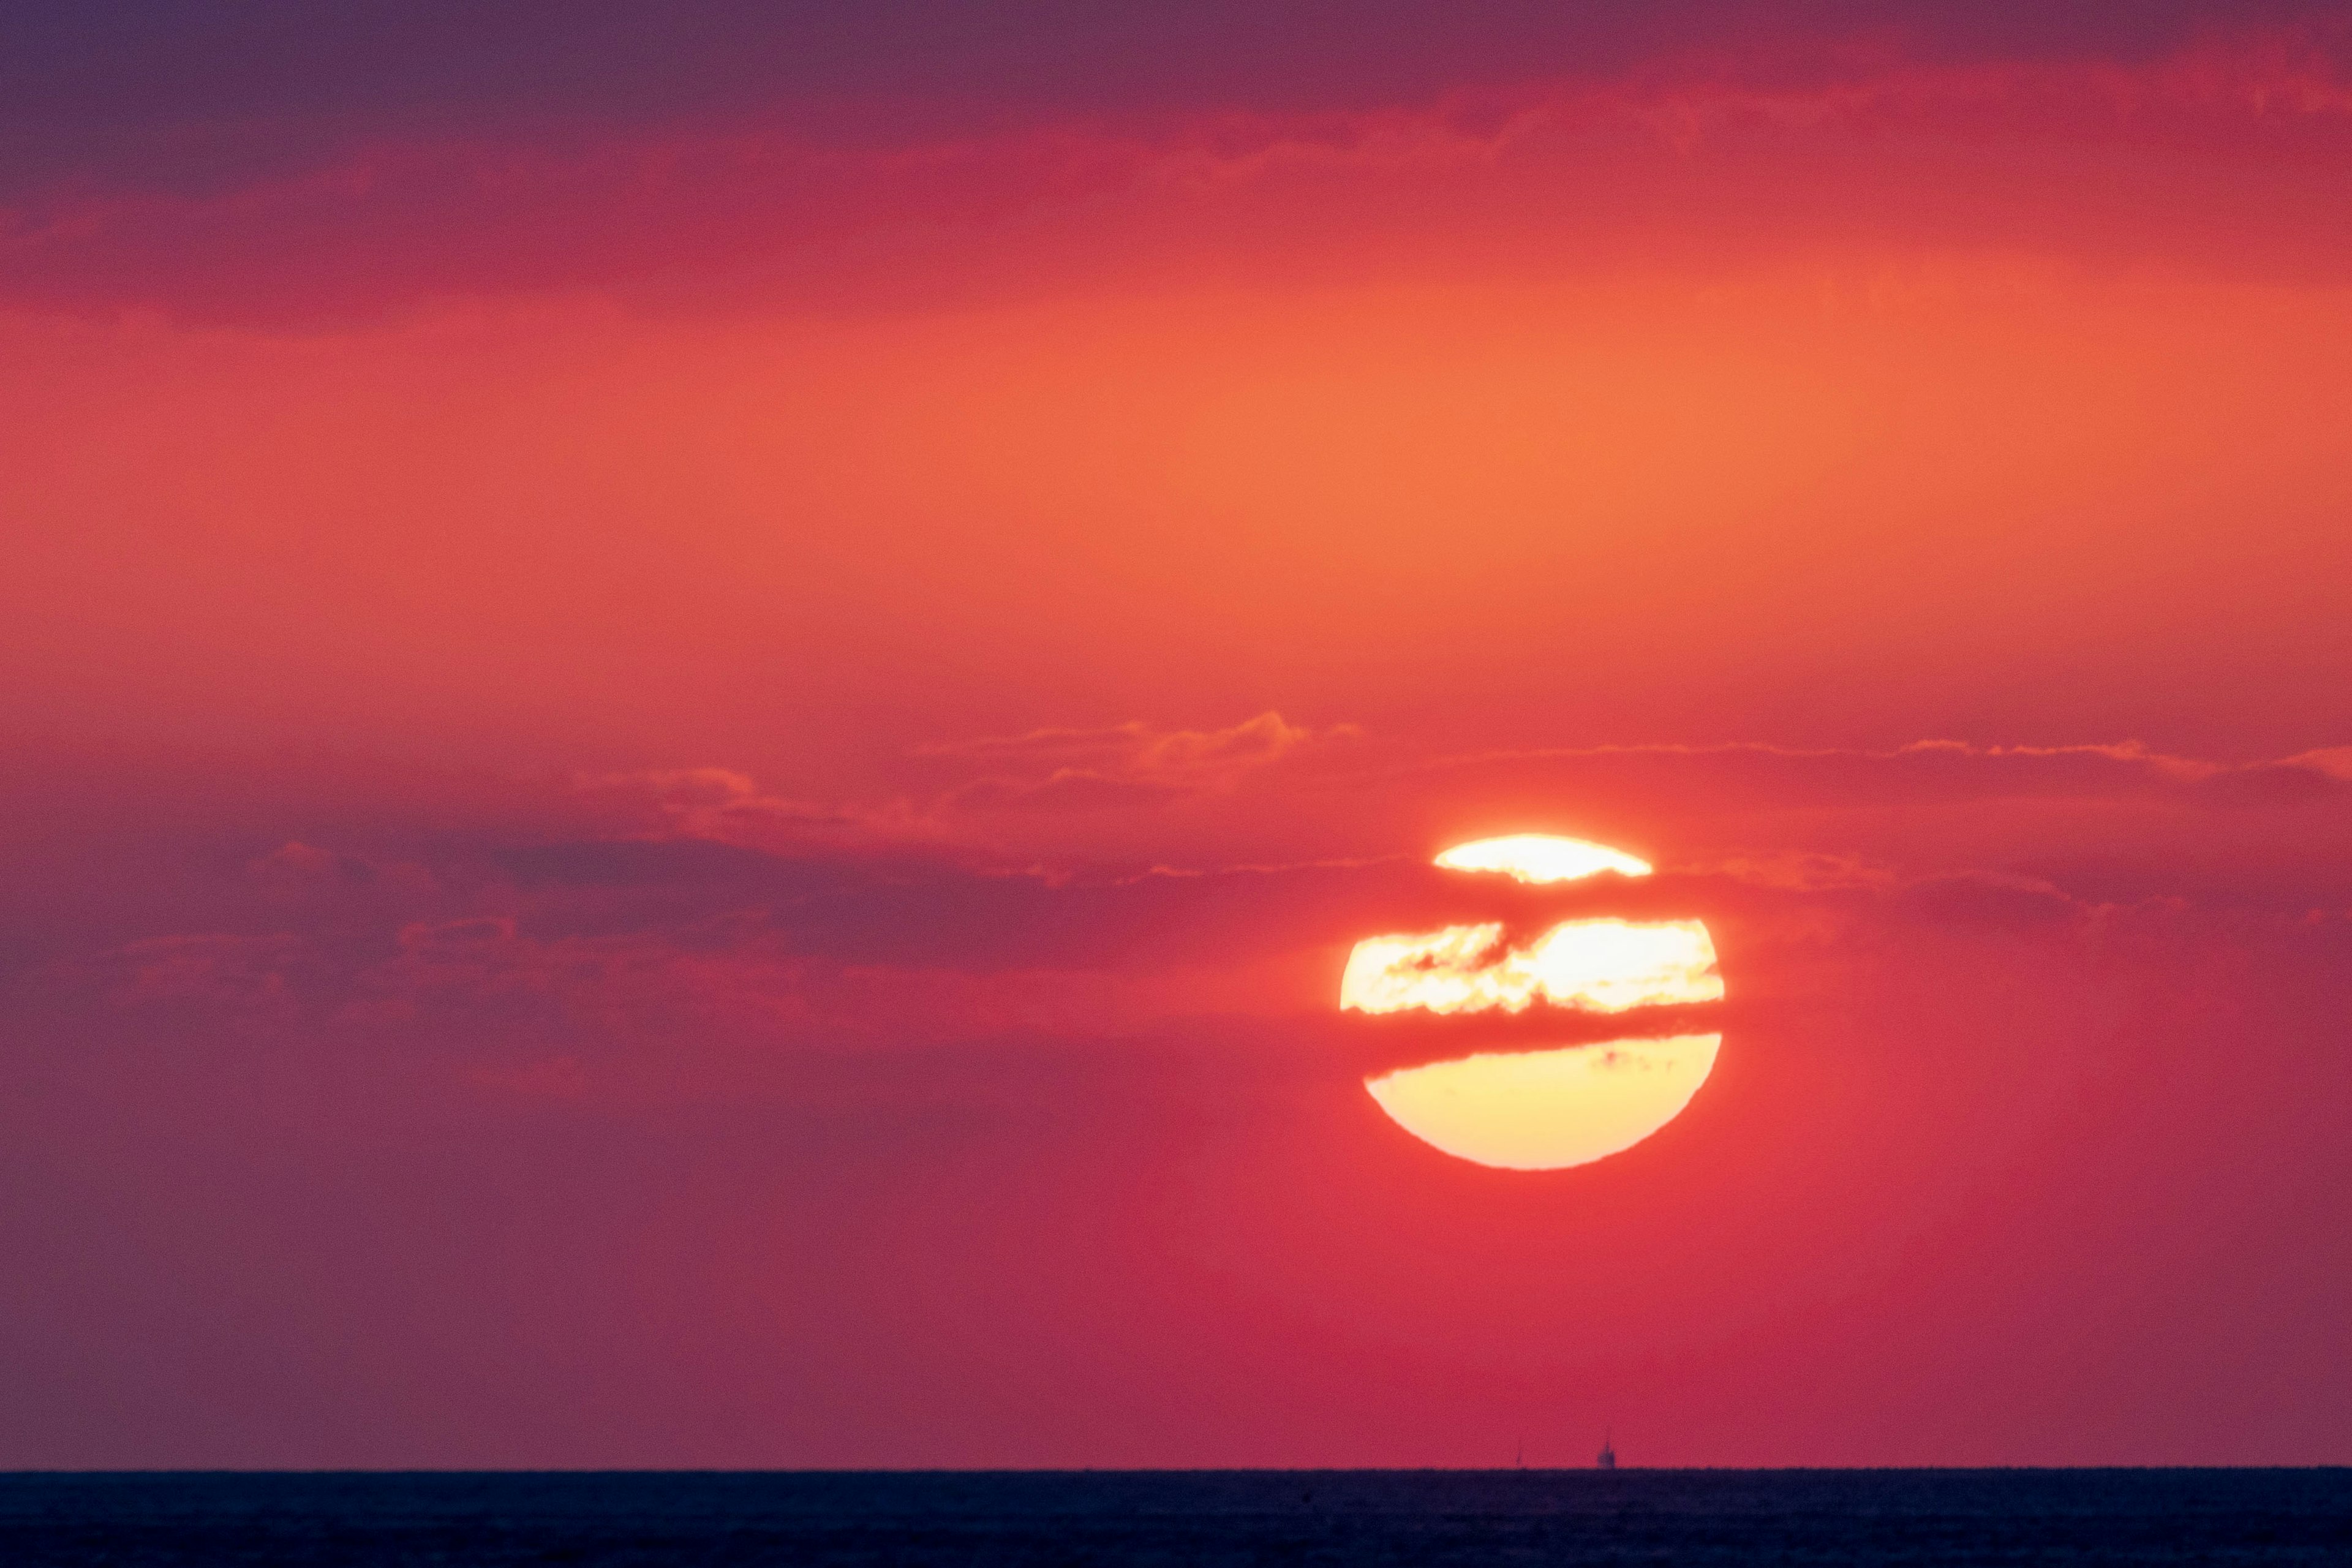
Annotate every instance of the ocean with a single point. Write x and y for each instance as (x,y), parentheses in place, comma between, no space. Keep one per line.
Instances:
(1290,1517)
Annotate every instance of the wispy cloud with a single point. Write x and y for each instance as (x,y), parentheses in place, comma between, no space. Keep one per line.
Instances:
(1129,764)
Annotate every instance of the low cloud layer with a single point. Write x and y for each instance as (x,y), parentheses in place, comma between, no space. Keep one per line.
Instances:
(416,1098)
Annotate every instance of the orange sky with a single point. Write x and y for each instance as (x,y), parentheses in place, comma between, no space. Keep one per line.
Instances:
(2015,495)
(701,756)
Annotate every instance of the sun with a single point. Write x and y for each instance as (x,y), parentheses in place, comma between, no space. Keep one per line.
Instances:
(1548,1110)
(1541,858)
(1544,1108)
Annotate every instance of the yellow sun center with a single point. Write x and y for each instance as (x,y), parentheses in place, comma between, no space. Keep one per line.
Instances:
(1544,1111)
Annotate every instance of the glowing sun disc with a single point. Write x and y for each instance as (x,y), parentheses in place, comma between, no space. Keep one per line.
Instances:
(1547,1110)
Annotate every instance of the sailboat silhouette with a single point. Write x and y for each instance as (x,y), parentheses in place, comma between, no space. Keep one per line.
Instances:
(1608,1452)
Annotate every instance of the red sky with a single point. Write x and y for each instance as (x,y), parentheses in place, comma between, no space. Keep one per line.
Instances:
(696,710)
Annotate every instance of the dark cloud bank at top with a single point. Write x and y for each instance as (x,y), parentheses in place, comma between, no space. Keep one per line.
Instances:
(276,164)
(88,71)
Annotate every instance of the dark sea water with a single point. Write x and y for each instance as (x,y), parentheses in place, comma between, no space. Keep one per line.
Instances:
(1238,1517)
